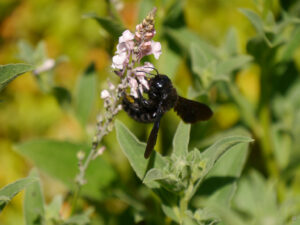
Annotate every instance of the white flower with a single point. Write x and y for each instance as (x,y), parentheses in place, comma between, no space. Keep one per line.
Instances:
(124,47)
(105,94)
(143,81)
(48,64)
(155,49)
(119,61)
(111,86)
(133,84)
(126,36)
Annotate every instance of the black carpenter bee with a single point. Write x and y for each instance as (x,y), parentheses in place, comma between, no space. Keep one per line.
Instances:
(162,96)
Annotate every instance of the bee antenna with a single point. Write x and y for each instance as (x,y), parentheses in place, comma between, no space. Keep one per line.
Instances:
(153,69)
(140,71)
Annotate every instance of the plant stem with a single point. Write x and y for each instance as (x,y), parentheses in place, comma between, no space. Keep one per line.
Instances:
(80,178)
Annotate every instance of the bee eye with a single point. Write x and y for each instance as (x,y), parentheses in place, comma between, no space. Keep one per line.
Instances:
(159,85)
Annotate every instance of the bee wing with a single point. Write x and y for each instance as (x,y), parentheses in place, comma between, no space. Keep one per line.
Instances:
(152,137)
(192,111)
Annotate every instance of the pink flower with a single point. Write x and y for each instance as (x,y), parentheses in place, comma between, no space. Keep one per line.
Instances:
(105,94)
(126,36)
(133,84)
(124,48)
(120,61)
(155,49)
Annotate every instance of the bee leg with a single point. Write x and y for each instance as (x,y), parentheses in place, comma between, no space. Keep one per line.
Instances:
(146,103)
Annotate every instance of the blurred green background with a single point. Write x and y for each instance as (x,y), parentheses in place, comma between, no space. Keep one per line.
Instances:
(28,113)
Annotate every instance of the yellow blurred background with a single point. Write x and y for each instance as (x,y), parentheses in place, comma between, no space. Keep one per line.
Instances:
(29,113)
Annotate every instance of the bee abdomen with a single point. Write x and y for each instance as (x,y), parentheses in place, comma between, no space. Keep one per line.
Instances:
(139,114)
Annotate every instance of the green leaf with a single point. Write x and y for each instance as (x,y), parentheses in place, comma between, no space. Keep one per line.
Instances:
(85,94)
(154,174)
(112,26)
(169,211)
(292,45)
(10,190)
(198,58)
(134,151)
(181,139)
(214,152)
(53,209)
(183,38)
(81,219)
(255,196)
(282,142)
(220,183)
(58,159)
(34,202)
(227,216)
(40,53)
(230,45)
(257,23)
(145,7)
(11,71)
(165,60)
(226,67)
(62,95)
(26,52)
(174,15)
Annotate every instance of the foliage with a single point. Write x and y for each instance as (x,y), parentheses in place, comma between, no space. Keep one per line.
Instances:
(243,172)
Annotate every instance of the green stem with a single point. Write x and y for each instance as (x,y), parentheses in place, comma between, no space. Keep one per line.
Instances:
(75,198)
(80,179)
(184,201)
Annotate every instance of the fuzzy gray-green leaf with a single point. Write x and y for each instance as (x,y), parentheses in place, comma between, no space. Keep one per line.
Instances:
(58,159)
(214,152)
(181,139)
(112,26)
(10,190)
(85,94)
(34,202)
(224,174)
(134,151)
(11,71)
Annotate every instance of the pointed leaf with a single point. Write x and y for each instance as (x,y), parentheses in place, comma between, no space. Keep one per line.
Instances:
(112,26)
(181,139)
(58,159)
(10,190)
(165,60)
(34,202)
(174,16)
(26,52)
(85,94)
(134,151)
(214,152)
(11,71)
(220,183)
(256,196)
(226,67)
(198,58)
(153,175)
(183,38)
(292,45)
(230,45)
(54,208)
(257,22)
(80,219)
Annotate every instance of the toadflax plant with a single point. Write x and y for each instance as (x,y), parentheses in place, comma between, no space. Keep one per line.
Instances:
(175,179)
(127,65)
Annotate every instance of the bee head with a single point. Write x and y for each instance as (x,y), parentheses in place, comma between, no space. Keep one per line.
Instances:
(160,85)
